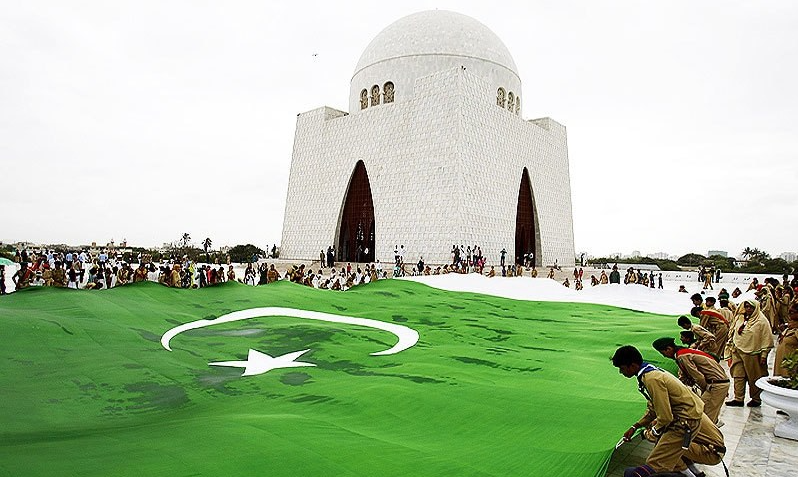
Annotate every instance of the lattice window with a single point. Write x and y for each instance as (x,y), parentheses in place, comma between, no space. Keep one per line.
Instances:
(375,95)
(500,97)
(388,92)
(517,105)
(364,99)
(510,101)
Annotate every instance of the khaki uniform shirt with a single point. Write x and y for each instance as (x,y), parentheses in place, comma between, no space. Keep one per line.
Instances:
(705,341)
(699,369)
(670,400)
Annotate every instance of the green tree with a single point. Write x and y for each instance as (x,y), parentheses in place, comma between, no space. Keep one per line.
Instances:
(244,253)
(719,261)
(185,240)
(691,260)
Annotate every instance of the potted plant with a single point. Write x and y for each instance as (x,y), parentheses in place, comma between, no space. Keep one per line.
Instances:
(782,393)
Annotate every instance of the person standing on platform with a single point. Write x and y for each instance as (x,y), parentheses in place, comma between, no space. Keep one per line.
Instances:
(788,339)
(700,369)
(674,419)
(748,348)
(767,304)
(615,275)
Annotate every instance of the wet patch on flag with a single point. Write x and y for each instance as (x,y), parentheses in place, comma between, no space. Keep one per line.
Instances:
(155,396)
(219,379)
(356,369)
(148,335)
(214,332)
(295,379)
(313,399)
(386,293)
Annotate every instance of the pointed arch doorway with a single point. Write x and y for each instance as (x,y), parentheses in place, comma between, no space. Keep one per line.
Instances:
(356,227)
(527,229)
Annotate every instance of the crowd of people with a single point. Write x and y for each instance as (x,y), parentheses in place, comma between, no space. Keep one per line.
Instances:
(85,271)
(682,416)
(632,277)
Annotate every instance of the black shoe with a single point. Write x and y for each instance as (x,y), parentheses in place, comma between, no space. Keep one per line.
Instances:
(754,403)
(735,403)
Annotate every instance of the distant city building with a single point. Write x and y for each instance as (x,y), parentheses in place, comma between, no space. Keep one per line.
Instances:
(788,256)
(635,253)
(721,253)
(658,256)
(433,152)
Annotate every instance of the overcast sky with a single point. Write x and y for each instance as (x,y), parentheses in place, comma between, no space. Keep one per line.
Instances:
(146,119)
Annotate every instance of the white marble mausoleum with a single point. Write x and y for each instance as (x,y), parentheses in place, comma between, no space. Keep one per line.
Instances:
(434,151)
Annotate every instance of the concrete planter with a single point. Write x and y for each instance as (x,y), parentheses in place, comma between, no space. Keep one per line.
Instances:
(784,399)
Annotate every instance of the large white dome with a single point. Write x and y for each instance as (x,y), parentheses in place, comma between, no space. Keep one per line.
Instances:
(436,33)
(428,42)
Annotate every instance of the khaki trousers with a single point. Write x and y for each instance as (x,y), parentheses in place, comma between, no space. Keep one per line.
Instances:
(706,447)
(788,345)
(714,397)
(746,369)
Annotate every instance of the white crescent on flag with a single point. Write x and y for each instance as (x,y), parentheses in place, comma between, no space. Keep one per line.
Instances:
(407,336)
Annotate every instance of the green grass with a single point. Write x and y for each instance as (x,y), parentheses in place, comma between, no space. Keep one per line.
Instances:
(494,387)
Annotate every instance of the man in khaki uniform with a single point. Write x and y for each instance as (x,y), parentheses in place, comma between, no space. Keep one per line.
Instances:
(272,275)
(727,309)
(173,279)
(697,368)
(674,419)
(58,276)
(715,322)
(705,341)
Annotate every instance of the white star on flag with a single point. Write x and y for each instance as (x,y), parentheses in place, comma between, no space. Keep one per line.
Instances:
(259,363)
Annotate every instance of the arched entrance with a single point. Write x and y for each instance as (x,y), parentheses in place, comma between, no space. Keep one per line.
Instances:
(527,233)
(356,229)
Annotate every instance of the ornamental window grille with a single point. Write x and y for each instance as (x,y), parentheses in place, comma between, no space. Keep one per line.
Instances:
(388,92)
(375,95)
(500,97)
(510,101)
(517,105)
(364,99)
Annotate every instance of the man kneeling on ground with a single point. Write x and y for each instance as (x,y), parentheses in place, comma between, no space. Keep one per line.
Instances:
(674,420)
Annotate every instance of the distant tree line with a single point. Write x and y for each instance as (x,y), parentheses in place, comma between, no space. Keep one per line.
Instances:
(753,261)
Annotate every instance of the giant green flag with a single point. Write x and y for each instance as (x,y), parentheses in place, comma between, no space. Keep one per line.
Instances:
(389,379)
